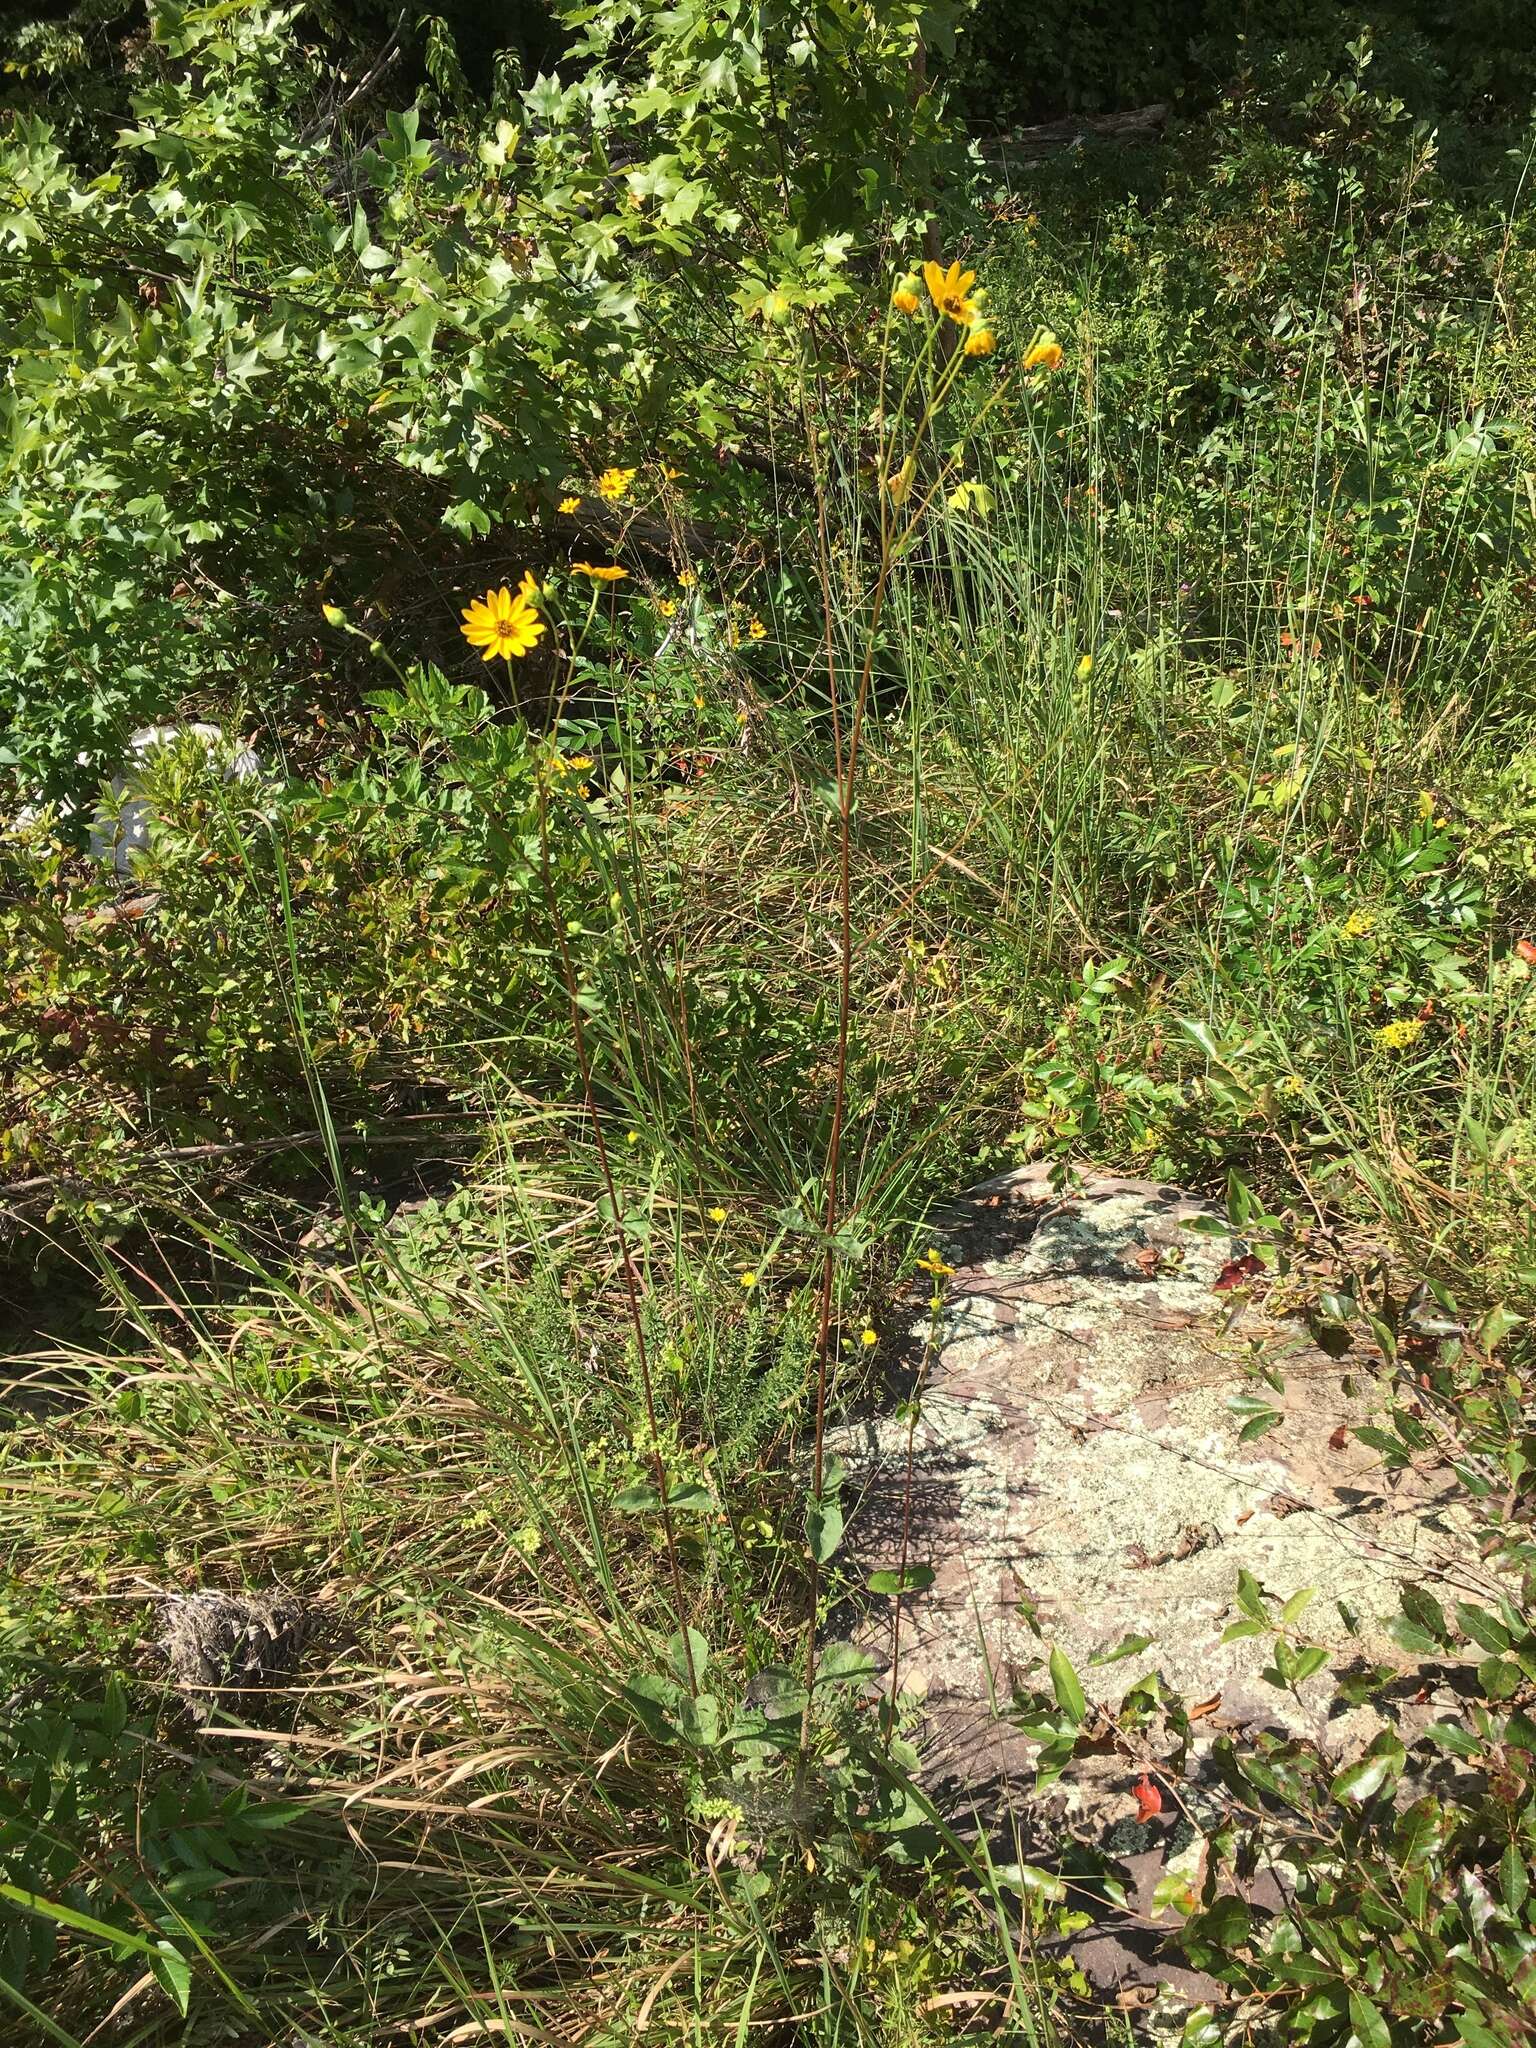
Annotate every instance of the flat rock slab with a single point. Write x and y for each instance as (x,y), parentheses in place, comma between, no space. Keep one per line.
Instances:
(1078,1464)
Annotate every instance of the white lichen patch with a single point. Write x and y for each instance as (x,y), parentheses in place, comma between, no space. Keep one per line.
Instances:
(1079,1468)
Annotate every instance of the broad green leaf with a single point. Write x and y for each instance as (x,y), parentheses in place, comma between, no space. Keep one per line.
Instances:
(1371,2030)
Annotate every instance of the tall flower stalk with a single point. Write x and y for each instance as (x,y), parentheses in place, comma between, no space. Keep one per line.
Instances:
(502,624)
(953,305)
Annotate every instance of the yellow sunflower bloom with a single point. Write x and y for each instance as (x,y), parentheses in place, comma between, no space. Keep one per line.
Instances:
(502,624)
(667,606)
(950,291)
(756,630)
(1045,354)
(686,578)
(980,341)
(905,297)
(600,572)
(569,504)
(614,484)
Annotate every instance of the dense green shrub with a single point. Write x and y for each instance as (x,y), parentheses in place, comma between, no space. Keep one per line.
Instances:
(1466,63)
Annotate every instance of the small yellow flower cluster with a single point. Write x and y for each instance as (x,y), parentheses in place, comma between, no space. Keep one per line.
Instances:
(1400,1033)
(1358,924)
(570,504)
(954,296)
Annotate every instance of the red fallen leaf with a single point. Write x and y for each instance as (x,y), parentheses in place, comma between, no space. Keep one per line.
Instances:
(1237,1273)
(1149,1801)
(1525,951)
(1149,1258)
(1339,1438)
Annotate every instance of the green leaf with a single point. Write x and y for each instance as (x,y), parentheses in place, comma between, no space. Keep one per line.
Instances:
(1488,1634)
(1413,1640)
(1250,1597)
(823,1528)
(66,1916)
(1371,2029)
(1361,1781)
(173,1973)
(1453,1736)
(1069,1694)
(1418,1831)
(1172,1893)
(1225,1924)
(1514,1878)
(637,1500)
(1029,1877)
(699,1720)
(916,1578)
(679,1662)
(1423,1608)
(1128,1646)
(841,1663)
(1260,1425)
(1499,1678)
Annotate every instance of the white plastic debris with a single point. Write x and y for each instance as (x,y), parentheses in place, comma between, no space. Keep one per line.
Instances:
(119,833)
